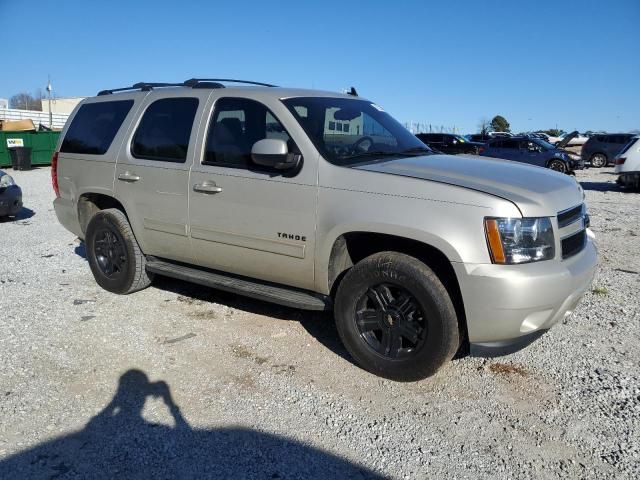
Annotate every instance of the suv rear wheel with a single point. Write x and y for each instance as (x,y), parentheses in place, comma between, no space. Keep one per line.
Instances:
(598,160)
(396,318)
(115,258)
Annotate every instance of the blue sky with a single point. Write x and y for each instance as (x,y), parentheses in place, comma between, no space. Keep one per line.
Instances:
(542,63)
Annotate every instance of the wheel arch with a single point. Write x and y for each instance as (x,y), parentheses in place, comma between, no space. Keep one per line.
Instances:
(89,203)
(351,247)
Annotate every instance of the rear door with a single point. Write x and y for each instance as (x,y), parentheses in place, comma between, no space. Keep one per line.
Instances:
(511,149)
(152,173)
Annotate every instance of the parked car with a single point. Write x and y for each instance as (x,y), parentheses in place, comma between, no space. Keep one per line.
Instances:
(601,149)
(417,254)
(573,139)
(478,138)
(533,151)
(499,134)
(449,143)
(542,136)
(628,164)
(10,196)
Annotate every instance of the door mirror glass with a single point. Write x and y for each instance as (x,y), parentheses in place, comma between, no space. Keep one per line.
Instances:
(273,153)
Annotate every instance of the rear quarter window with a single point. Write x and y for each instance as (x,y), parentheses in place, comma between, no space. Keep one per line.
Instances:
(94,127)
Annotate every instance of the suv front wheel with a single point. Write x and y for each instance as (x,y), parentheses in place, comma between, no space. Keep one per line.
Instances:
(558,166)
(115,258)
(396,318)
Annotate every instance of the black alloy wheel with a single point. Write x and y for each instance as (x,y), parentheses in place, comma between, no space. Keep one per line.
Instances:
(391,321)
(558,166)
(395,317)
(110,252)
(116,260)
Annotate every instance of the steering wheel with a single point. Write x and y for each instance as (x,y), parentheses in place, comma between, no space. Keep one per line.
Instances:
(358,146)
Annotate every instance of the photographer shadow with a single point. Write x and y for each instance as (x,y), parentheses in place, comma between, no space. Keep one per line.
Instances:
(119,443)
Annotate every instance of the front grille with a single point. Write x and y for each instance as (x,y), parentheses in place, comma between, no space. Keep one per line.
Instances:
(573,244)
(569,216)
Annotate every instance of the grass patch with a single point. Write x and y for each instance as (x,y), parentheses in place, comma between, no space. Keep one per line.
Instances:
(600,291)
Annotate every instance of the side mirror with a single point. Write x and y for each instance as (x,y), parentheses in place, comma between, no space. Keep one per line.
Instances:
(273,153)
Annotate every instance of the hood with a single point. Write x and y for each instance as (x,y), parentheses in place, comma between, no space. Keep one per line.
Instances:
(567,138)
(536,191)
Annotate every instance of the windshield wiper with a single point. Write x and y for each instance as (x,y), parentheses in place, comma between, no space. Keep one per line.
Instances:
(378,153)
(371,154)
(417,150)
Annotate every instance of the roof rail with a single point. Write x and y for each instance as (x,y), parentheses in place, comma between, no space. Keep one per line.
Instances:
(142,86)
(192,82)
(204,82)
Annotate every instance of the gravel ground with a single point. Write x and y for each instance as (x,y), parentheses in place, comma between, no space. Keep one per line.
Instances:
(182,381)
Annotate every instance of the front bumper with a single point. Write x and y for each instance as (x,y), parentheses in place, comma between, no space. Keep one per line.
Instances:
(508,306)
(10,201)
(576,164)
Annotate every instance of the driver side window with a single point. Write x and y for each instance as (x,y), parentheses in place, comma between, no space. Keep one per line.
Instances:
(236,124)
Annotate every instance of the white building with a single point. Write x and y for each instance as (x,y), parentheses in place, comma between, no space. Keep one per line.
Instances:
(63,105)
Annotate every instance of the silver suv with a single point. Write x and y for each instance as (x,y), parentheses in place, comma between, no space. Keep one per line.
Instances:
(318,200)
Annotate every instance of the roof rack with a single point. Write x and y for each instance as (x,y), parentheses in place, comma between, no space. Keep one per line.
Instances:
(142,86)
(192,82)
(203,82)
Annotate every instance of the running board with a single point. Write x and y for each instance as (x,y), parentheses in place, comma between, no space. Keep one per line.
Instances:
(269,292)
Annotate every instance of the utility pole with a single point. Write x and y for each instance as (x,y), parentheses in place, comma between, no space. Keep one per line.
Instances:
(49,88)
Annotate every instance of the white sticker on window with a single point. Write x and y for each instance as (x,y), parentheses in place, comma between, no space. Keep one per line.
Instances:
(377,107)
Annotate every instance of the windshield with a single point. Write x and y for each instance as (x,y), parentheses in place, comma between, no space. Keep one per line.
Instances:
(351,131)
(545,145)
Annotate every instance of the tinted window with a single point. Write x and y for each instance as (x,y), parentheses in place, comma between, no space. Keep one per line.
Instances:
(620,139)
(236,124)
(514,144)
(164,131)
(94,127)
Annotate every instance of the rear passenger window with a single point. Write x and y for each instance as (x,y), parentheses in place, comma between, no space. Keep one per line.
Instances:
(94,127)
(165,129)
(236,124)
(514,144)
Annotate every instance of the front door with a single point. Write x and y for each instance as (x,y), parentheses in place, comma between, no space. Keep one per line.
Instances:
(152,172)
(248,220)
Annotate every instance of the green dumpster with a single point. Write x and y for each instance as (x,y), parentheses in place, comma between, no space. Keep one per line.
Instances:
(42,145)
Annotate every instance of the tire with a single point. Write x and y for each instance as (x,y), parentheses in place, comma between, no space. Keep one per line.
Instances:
(599,160)
(115,258)
(558,166)
(371,312)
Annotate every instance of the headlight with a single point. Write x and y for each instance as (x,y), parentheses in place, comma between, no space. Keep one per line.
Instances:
(519,240)
(6,181)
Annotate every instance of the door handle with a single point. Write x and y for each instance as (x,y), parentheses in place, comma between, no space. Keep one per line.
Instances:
(207,187)
(128,177)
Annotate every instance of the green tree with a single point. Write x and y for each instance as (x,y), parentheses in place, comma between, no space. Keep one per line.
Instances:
(500,124)
(554,132)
